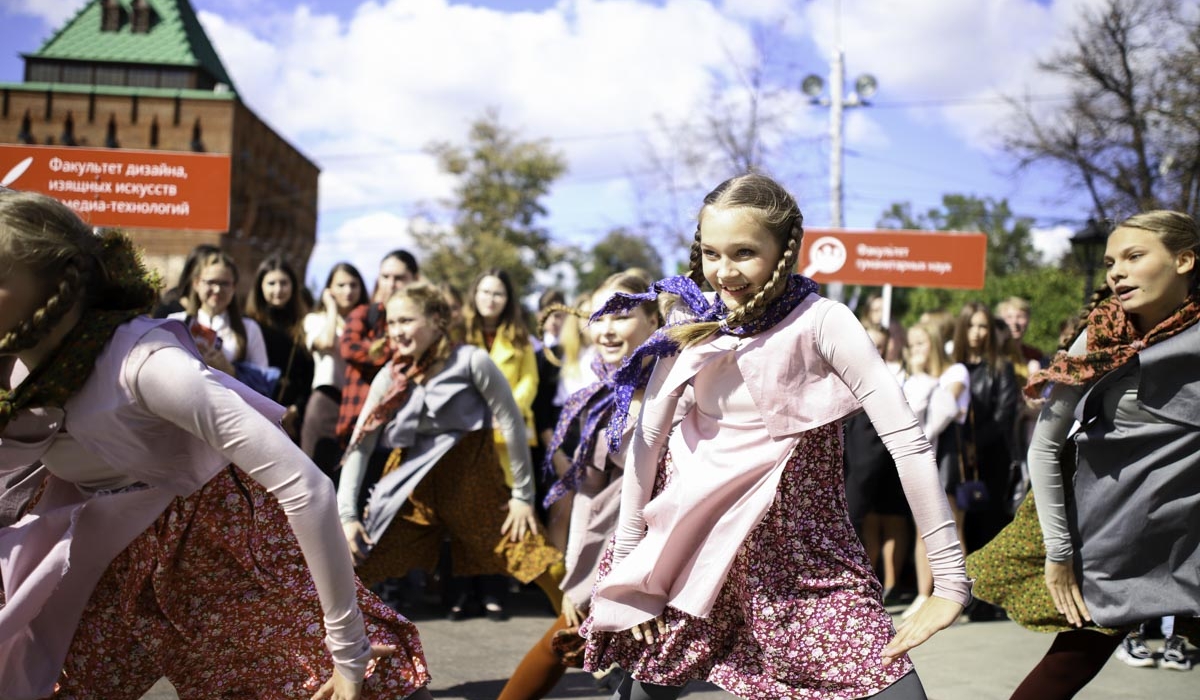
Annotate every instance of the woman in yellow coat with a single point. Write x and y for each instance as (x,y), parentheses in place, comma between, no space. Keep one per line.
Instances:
(495,321)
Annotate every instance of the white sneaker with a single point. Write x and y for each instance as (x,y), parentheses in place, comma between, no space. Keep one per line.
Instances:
(1174,655)
(1134,652)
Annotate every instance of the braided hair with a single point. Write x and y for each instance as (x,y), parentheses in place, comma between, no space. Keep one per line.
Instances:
(431,302)
(776,211)
(42,234)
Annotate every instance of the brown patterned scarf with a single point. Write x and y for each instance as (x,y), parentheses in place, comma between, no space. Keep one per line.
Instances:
(1112,340)
(403,372)
(130,292)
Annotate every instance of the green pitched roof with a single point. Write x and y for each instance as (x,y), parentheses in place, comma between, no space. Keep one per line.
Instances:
(175,39)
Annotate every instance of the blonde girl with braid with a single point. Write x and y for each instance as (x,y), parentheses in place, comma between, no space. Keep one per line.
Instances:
(734,560)
(180,532)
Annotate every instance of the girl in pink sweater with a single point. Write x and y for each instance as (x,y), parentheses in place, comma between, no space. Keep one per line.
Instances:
(734,560)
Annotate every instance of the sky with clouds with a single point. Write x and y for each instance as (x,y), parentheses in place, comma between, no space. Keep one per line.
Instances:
(363,87)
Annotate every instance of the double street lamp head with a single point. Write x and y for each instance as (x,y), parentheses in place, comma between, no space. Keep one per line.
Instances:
(865,87)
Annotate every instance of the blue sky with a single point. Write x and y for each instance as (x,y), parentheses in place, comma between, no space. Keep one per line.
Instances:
(595,77)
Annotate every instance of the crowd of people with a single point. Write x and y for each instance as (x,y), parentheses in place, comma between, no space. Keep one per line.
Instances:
(724,485)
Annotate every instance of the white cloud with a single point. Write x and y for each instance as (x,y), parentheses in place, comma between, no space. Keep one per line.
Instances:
(363,241)
(363,93)
(364,96)
(54,13)
(1052,243)
(959,57)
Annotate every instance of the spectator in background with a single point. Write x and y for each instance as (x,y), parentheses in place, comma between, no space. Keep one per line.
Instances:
(276,305)
(577,351)
(214,317)
(344,291)
(171,300)
(874,496)
(361,341)
(495,322)
(940,414)
(989,431)
(1015,313)
(551,317)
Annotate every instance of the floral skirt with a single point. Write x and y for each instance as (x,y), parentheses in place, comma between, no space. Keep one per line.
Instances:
(462,496)
(799,615)
(216,597)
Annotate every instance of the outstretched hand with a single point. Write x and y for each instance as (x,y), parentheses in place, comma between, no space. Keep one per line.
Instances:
(934,614)
(338,687)
(521,520)
(1064,589)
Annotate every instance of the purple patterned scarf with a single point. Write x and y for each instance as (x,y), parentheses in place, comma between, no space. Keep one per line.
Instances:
(595,404)
(660,344)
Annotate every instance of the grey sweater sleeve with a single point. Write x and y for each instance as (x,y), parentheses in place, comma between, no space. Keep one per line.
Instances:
(1045,472)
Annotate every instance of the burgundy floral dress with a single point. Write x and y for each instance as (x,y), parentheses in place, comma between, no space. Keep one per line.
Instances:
(800,613)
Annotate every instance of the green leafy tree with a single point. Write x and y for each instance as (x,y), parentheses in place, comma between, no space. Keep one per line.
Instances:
(495,208)
(619,250)
(1010,239)
(1013,267)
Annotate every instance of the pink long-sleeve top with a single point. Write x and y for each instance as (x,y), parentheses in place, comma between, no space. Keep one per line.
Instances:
(150,424)
(752,398)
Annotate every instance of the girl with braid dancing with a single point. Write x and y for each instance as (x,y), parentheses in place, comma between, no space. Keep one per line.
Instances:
(180,532)
(734,560)
(1117,541)
(579,451)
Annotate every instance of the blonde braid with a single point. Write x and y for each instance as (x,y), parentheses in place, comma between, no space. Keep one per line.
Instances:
(551,309)
(787,262)
(34,329)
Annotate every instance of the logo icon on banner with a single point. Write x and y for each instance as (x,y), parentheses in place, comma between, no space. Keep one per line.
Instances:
(826,256)
(17,171)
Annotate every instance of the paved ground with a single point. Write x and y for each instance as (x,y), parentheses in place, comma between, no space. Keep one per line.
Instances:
(470,660)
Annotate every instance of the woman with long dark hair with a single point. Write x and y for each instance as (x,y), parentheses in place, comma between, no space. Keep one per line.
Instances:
(344,291)
(276,304)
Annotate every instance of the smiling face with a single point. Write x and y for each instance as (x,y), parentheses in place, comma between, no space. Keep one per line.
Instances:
(739,256)
(215,287)
(277,288)
(410,331)
(616,335)
(490,298)
(1017,320)
(1148,281)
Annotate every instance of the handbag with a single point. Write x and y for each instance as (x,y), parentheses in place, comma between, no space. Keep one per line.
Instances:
(970,494)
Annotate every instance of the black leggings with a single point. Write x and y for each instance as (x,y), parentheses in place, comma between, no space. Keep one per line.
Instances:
(907,688)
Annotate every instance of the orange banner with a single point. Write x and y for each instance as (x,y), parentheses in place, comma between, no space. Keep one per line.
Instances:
(946,259)
(126,189)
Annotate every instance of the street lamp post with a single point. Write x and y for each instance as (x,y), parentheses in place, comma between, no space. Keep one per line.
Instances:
(865,87)
(1088,245)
